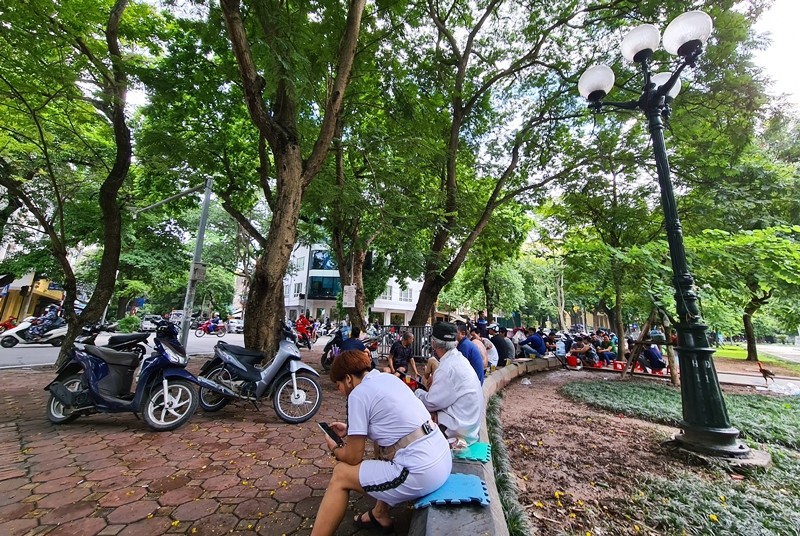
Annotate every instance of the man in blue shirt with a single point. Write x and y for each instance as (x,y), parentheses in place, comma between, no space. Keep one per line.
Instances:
(353,342)
(533,344)
(469,350)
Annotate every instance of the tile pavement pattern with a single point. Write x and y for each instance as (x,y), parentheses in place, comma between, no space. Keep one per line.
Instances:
(237,471)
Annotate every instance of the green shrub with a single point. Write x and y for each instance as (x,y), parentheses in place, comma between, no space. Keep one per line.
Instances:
(129,324)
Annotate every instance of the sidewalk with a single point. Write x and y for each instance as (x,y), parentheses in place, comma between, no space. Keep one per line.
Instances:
(238,471)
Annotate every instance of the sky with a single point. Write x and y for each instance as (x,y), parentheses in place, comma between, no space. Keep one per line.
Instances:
(779,60)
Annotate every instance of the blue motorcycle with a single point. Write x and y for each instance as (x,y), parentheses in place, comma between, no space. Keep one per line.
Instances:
(99,380)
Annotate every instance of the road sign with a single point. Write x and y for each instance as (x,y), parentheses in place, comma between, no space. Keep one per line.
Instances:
(199,271)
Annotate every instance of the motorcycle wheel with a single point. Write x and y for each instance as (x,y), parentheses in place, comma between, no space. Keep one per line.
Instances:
(58,341)
(56,412)
(140,351)
(163,413)
(220,331)
(8,342)
(199,332)
(2,329)
(298,406)
(326,361)
(209,400)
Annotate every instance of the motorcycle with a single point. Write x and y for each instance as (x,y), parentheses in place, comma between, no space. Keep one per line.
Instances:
(295,391)
(206,327)
(332,350)
(133,342)
(99,380)
(10,323)
(20,335)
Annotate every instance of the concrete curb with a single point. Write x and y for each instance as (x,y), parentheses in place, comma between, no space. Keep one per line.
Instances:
(478,520)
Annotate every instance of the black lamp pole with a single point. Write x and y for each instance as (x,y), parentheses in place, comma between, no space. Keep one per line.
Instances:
(706,426)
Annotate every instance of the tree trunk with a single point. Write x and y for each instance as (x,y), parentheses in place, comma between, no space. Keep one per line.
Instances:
(749,332)
(671,357)
(426,304)
(265,306)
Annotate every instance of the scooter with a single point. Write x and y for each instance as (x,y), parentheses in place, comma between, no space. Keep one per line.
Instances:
(19,335)
(293,386)
(7,324)
(99,380)
(132,342)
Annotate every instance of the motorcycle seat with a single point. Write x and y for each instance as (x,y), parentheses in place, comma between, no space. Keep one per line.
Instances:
(241,351)
(112,357)
(126,338)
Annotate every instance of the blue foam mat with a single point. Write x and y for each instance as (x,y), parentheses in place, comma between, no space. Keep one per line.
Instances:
(477,452)
(457,489)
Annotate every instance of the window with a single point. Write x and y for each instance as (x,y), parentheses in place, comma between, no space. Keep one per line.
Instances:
(298,288)
(300,264)
(387,294)
(405,295)
(323,287)
(286,289)
(397,319)
(322,260)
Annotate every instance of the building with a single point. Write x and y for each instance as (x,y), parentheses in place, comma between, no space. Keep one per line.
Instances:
(312,284)
(28,296)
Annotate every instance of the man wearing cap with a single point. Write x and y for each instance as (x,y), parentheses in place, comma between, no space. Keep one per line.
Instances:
(455,395)
(505,348)
(469,350)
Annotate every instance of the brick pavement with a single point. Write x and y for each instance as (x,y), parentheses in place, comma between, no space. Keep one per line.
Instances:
(237,471)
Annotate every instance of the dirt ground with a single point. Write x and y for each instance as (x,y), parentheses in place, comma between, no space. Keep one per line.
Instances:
(575,465)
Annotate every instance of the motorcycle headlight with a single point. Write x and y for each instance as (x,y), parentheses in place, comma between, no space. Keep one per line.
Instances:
(174,356)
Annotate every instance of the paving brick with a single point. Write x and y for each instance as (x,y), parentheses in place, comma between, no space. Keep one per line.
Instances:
(195,510)
(122,496)
(111,484)
(68,512)
(90,526)
(12,482)
(221,482)
(214,524)
(168,483)
(17,527)
(255,508)
(54,474)
(54,500)
(11,497)
(155,473)
(147,527)
(132,512)
(179,496)
(14,511)
(106,473)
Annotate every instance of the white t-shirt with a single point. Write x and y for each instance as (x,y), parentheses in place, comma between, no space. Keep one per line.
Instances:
(384,409)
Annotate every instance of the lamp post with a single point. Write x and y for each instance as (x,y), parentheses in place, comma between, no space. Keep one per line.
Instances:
(706,426)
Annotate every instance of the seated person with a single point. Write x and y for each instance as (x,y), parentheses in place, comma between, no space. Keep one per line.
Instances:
(455,394)
(413,456)
(585,351)
(427,375)
(651,359)
(401,356)
(485,346)
(470,351)
(533,345)
(44,322)
(606,350)
(353,342)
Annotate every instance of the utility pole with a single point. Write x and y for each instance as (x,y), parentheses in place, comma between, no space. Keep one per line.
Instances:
(197,272)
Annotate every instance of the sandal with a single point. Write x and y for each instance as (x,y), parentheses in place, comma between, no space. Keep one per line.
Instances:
(372,524)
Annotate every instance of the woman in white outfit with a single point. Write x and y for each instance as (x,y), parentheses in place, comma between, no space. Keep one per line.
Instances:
(414,455)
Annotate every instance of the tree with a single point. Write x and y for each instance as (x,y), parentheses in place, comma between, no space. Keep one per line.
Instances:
(65,138)
(748,269)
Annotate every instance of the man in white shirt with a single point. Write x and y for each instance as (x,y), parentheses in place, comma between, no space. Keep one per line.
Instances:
(455,394)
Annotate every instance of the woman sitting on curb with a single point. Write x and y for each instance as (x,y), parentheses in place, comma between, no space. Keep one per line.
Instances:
(413,455)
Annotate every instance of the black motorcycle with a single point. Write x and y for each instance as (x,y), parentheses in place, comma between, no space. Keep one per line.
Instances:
(130,342)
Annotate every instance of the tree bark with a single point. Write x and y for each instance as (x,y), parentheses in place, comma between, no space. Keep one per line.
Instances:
(749,332)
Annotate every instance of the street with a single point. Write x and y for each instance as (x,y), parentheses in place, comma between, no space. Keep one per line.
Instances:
(41,354)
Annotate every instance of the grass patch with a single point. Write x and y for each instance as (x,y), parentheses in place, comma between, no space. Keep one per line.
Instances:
(740,354)
(516,518)
(710,502)
(765,419)
(688,503)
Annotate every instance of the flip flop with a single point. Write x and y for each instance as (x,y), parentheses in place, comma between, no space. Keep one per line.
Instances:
(372,524)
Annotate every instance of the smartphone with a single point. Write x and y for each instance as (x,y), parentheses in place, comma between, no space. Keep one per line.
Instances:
(328,430)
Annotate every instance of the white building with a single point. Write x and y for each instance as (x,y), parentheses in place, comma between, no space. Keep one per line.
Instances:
(312,284)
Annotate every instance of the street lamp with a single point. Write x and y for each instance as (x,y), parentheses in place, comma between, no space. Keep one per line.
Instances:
(706,426)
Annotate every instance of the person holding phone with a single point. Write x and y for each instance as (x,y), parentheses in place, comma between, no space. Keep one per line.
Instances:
(413,456)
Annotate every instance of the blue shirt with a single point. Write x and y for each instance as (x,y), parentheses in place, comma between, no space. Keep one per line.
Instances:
(536,342)
(353,344)
(473,355)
